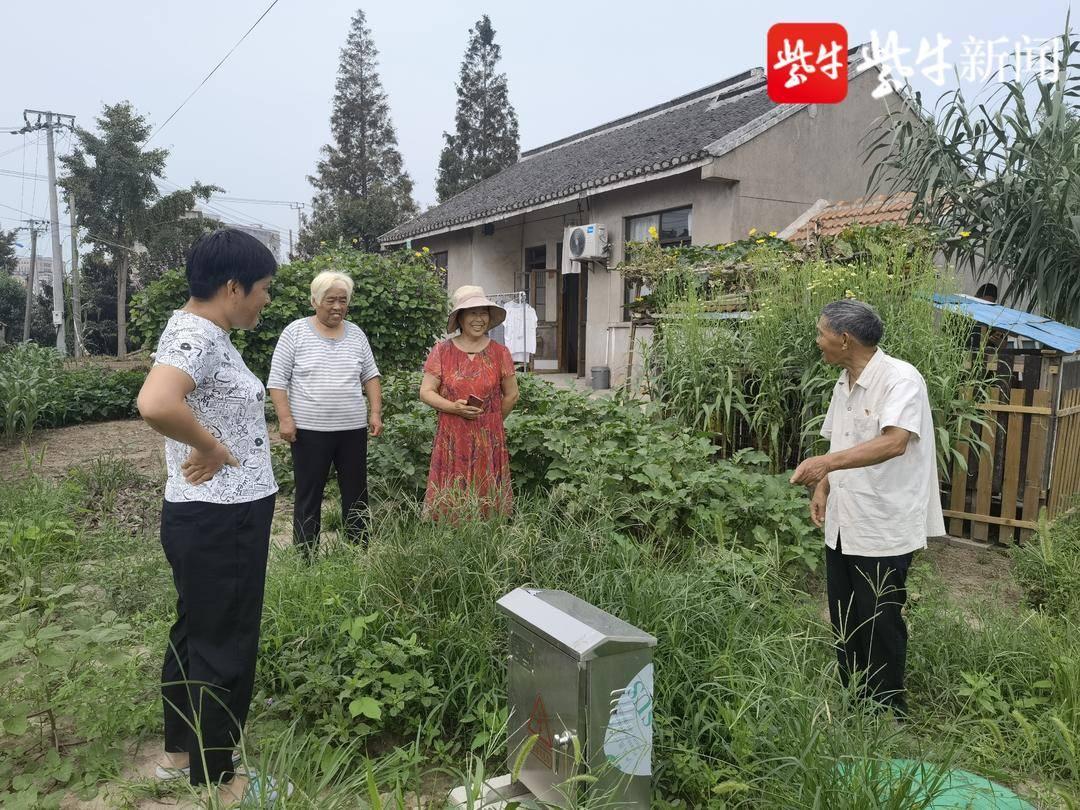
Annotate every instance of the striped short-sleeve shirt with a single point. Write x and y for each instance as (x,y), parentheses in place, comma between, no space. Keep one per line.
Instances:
(323,376)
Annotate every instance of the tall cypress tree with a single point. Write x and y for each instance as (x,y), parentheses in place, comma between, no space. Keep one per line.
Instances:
(362,187)
(485,139)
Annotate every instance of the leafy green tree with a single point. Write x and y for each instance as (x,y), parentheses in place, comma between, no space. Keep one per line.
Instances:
(167,244)
(8,260)
(485,139)
(13,309)
(120,206)
(397,300)
(1001,179)
(362,187)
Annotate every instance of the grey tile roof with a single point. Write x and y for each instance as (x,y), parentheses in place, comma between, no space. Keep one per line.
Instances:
(677,133)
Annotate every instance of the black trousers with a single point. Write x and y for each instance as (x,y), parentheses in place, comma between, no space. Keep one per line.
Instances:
(218,557)
(866,596)
(313,452)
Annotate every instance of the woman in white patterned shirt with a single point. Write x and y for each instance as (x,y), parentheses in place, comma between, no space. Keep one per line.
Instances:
(219,503)
(320,373)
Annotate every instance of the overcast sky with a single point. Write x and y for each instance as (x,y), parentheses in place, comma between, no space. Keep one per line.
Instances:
(256,127)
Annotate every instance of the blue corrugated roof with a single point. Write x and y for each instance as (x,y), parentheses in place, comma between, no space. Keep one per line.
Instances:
(1050,333)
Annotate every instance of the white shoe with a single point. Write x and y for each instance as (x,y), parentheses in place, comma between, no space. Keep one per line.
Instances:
(168,774)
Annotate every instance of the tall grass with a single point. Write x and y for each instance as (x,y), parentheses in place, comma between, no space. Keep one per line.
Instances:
(760,380)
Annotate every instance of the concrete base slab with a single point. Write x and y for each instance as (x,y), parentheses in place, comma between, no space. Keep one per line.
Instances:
(498,792)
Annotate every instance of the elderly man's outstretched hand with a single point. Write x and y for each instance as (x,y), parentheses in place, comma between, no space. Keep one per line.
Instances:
(811,471)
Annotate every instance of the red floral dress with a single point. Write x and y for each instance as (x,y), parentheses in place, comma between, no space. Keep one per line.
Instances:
(469,456)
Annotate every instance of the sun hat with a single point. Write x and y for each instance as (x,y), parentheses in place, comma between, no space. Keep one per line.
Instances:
(468,297)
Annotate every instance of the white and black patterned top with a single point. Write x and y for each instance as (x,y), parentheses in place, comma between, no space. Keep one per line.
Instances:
(228,402)
(324,377)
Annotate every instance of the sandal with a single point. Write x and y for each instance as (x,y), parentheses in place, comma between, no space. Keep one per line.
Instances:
(165,773)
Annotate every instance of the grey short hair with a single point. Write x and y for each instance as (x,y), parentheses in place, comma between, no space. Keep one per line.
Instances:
(857,318)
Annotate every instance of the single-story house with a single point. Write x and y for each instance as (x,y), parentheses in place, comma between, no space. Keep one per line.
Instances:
(702,168)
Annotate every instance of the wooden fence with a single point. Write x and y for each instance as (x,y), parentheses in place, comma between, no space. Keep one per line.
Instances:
(1030,454)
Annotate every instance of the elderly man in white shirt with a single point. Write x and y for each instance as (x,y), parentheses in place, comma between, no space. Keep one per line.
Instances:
(875,494)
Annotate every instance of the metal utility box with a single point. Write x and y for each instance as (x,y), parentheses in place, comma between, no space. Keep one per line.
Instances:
(581,681)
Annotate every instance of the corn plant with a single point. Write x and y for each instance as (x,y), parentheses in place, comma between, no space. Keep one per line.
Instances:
(28,387)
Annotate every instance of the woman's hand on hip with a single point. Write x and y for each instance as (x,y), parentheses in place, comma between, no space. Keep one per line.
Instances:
(463,409)
(201,466)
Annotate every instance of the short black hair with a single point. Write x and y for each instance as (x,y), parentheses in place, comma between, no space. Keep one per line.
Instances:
(987,290)
(224,255)
(856,318)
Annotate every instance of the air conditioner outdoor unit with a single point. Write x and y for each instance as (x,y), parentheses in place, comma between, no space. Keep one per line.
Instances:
(588,243)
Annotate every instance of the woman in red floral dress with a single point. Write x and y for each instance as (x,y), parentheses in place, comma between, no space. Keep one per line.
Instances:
(469,457)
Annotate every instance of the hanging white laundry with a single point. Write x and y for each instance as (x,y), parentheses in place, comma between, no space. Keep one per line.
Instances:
(519,331)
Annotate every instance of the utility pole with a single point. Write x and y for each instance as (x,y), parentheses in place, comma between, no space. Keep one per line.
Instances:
(32,224)
(298,207)
(50,121)
(76,296)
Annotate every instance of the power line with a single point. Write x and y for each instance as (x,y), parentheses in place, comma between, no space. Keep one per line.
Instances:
(212,72)
(232,216)
(23,174)
(34,142)
(258,202)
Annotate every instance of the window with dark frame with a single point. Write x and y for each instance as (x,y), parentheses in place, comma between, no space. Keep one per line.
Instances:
(441,260)
(673,229)
(536,282)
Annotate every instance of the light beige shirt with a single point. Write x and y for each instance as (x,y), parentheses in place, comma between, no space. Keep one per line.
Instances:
(889,508)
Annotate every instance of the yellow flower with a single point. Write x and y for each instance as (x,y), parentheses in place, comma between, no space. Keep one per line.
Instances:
(848,294)
(322,244)
(772,233)
(354,240)
(752,231)
(653,232)
(759,241)
(426,249)
(965,234)
(417,254)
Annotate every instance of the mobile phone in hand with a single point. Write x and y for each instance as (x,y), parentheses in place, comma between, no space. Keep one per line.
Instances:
(475,401)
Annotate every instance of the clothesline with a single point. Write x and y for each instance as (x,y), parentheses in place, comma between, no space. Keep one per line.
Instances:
(518,331)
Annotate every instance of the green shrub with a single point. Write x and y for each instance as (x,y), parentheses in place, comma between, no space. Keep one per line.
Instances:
(1048,565)
(397,300)
(663,479)
(94,395)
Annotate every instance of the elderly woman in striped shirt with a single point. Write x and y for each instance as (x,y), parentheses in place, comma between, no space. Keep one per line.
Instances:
(321,371)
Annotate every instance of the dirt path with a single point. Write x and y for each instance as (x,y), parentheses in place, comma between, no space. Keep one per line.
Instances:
(971,574)
(74,446)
